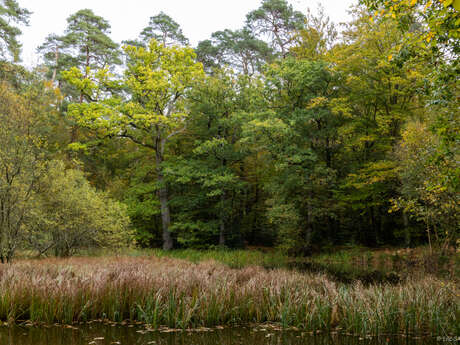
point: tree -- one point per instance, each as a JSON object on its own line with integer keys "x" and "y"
{"x": 85, "y": 44}
{"x": 381, "y": 92}
{"x": 21, "y": 167}
{"x": 277, "y": 20}
{"x": 138, "y": 189}
{"x": 157, "y": 81}
{"x": 165, "y": 30}
{"x": 87, "y": 35}
{"x": 208, "y": 177}
{"x": 317, "y": 38}
{"x": 430, "y": 31}
{"x": 52, "y": 52}
{"x": 11, "y": 12}
{"x": 238, "y": 49}
{"x": 429, "y": 36}
{"x": 298, "y": 135}
{"x": 429, "y": 183}
{"x": 439, "y": 19}
{"x": 69, "y": 214}
{"x": 209, "y": 55}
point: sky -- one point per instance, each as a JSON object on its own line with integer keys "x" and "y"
{"x": 198, "y": 19}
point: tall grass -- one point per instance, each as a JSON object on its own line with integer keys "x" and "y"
{"x": 270, "y": 258}
{"x": 182, "y": 294}
{"x": 345, "y": 264}
{"x": 231, "y": 258}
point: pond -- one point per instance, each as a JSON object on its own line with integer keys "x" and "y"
{"x": 99, "y": 334}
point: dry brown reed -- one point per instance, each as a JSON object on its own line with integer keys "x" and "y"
{"x": 182, "y": 294}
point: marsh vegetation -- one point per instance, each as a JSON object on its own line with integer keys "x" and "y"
{"x": 176, "y": 293}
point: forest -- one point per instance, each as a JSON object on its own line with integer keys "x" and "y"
{"x": 292, "y": 132}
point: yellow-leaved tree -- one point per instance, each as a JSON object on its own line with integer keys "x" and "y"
{"x": 147, "y": 105}
{"x": 21, "y": 167}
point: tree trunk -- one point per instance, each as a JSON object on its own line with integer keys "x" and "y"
{"x": 406, "y": 230}
{"x": 255, "y": 211}
{"x": 56, "y": 60}
{"x": 9, "y": 256}
{"x": 222, "y": 222}
{"x": 163, "y": 196}
{"x": 165, "y": 216}
{"x": 372, "y": 236}
{"x": 222, "y": 211}
{"x": 309, "y": 229}
{"x": 429, "y": 235}
{"x": 222, "y": 233}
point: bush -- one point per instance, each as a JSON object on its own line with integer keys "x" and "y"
{"x": 69, "y": 214}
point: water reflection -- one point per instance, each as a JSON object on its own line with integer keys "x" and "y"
{"x": 97, "y": 334}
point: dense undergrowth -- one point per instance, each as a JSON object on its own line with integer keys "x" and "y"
{"x": 182, "y": 294}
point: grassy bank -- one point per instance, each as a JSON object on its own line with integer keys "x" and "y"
{"x": 346, "y": 265}
{"x": 231, "y": 258}
{"x": 181, "y": 294}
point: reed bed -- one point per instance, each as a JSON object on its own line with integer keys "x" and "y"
{"x": 232, "y": 258}
{"x": 182, "y": 294}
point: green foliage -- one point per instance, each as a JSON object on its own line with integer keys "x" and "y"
{"x": 10, "y": 14}
{"x": 141, "y": 198}
{"x": 42, "y": 205}
{"x": 21, "y": 168}
{"x": 232, "y": 258}
{"x": 277, "y": 20}
{"x": 210, "y": 173}
{"x": 441, "y": 19}
{"x": 430, "y": 183}
{"x": 163, "y": 29}
{"x": 300, "y": 138}
{"x": 239, "y": 49}
{"x": 87, "y": 35}
{"x": 281, "y": 132}
{"x": 317, "y": 37}
{"x": 380, "y": 93}
{"x": 85, "y": 44}
{"x": 157, "y": 79}
{"x": 87, "y": 218}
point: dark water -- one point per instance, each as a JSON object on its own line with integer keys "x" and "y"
{"x": 97, "y": 334}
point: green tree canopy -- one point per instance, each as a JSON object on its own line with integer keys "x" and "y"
{"x": 10, "y": 14}
{"x": 165, "y": 30}
{"x": 239, "y": 49}
{"x": 157, "y": 81}
{"x": 277, "y": 20}
{"x": 84, "y": 44}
